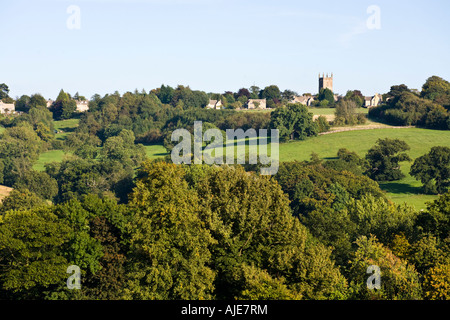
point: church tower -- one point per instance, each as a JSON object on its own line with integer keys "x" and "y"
{"x": 326, "y": 82}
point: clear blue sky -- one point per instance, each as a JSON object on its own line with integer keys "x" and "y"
{"x": 220, "y": 45}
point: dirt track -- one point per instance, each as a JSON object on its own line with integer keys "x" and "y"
{"x": 367, "y": 127}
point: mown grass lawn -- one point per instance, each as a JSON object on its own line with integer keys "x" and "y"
{"x": 66, "y": 127}
{"x": 48, "y": 157}
{"x": 407, "y": 190}
{"x": 155, "y": 151}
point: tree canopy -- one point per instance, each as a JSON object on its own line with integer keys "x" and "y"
{"x": 433, "y": 170}
{"x": 294, "y": 122}
{"x": 384, "y": 159}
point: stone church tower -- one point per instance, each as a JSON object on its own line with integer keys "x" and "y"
{"x": 326, "y": 82}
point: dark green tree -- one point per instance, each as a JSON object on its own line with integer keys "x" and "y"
{"x": 288, "y": 95}
{"x": 23, "y": 103}
{"x": 436, "y": 219}
{"x": 37, "y": 100}
{"x": 384, "y": 159}
{"x": 271, "y": 93}
{"x": 294, "y": 122}
{"x": 328, "y": 95}
{"x": 63, "y": 107}
{"x": 166, "y": 94}
{"x": 438, "y": 90}
{"x": 433, "y": 170}
{"x": 397, "y": 90}
{"x": 39, "y": 183}
{"x": 4, "y": 91}
{"x": 347, "y": 161}
{"x": 355, "y": 96}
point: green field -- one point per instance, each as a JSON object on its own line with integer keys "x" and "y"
{"x": 65, "y": 127}
{"x": 360, "y": 141}
{"x": 48, "y": 157}
{"x": 331, "y": 111}
{"x": 155, "y": 151}
{"x": 406, "y": 190}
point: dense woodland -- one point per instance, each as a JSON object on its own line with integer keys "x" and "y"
{"x": 141, "y": 229}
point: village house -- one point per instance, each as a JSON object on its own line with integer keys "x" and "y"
{"x": 214, "y": 104}
{"x": 82, "y": 106}
{"x": 256, "y": 104}
{"x": 306, "y": 100}
{"x": 7, "y": 108}
{"x": 374, "y": 101}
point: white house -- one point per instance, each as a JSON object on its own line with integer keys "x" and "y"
{"x": 256, "y": 104}
{"x": 82, "y": 106}
{"x": 306, "y": 100}
{"x": 214, "y": 104}
{"x": 374, "y": 101}
{"x": 7, "y": 108}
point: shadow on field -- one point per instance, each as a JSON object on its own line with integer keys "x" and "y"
{"x": 67, "y": 129}
{"x": 393, "y": 187}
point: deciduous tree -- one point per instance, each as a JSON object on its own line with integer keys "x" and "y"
{"x": 433, "y": 170}
{"x": 384, "y": 159}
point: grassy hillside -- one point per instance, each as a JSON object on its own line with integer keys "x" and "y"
{"x": 47, "y": 157}
{"x": 420, "y": 141}
{"x": 406, "y": 190}
{"x": 65, "y": 127}
{"x": 155, "y": 151}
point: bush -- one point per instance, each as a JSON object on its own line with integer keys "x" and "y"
{"x": 153, "y": 136}
{"x": 57, "y": 145}
{"x": 322, "y": 124}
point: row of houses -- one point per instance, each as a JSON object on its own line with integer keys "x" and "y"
{"x": 307, "y": 100}
{"x": 369, "y": 102}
